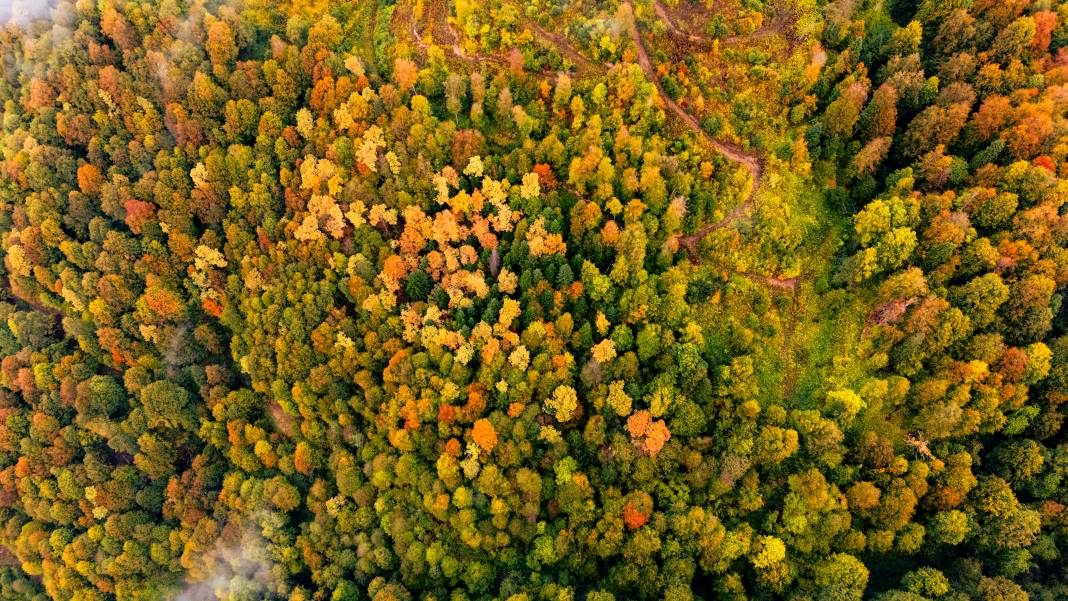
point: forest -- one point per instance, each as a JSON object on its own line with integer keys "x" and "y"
{"x": 533, "y": 300}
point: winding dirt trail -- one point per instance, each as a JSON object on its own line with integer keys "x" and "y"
{"x": 436, "y": 19}
{"x": 675, "y": 31}
{"x": 750, "y": 160}
{"x": 706, "y": 44}
{"x": 441, "y": 29}
{"x": 785, "y": 284}
{"x": 789, "y": 284}
{"x": 413, "y": 29}
{"x": 439, "y": 23}
{"x": 753, "y": 162}
{"x": 563, "y": 46}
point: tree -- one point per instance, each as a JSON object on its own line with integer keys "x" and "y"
{"x": 484, "y": 435}
{"x": 934, "y": 126}
{"x": 1028, "y": 308}
{"x": 405, "y": 73}
{"x": 981, "y": 298}
{"x": 167, "y": 405}
{"x": 871, "y": 155}
{"x": 841, "y": 576}
{"x": 221, "y": 47}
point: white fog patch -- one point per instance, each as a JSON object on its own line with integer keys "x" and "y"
{"x": 25, "y": 12}
{"x": 236, "y": 565}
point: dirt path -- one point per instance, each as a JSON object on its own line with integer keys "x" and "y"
{"x": 786, "y": 284}
{"x": 789, "y": 284}
{"x": 443, "y": 32}
{"x": 675, "y": 31}
{"x": 436, "y": 19}
{"x": 750, "y": 160}
{"x": 408, "y": 12}
{"x": 564, "y": 47}
{"x": 706, "y": 44}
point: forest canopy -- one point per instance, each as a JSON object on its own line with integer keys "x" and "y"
{"x": 568, "y": 300}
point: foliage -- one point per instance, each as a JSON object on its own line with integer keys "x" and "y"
{"x": 589, "y": 300}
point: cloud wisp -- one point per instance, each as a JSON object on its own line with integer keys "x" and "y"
{"x": 24, "y": 12}
{"x": 237, "y": 566}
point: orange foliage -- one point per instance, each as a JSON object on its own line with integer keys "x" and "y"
{"x": 303, "y": 459}
{"x": 484, "y": 435}
{"x": 633, "y": 518}
{"x": 476, "y": 400}
{"x": 656, "y": 437}
{"x": 394, "y": 268}
{"x": 323, "y": 98}
{"x": 115, "y": 26}
{"x": 1035, "y": 125}
{"x": 1050, "y": 508}
{"x": 163, "y": 303}
{"x": 405, "y": 73}
{"x": 610, "y": 232}
{"x": 22, "y": 467}
{"x": 638, "y": 423}
{"x": 138, "y": 213}
{"x": 41, "y": 94}
{"x": 1046, "y": 163}
{"x": 1045, "y": 23}
{"x": 546, "y": 177}
{"x": 1013, "y": 364}
{"x": 452, "y": 448}
{"x": 446, "y": 413}
{"x": 545, "y": 88}
{"x": 212, "y": 306}
{"x": 112, "y": 340}
{"x": 637, "y": 510}
{"x": 397, "y": 364}
{"x": 647, "y": 435}
{"x": 89, "y": 178}
{"x": 991, "y": 115}
{"x": 111, "y": 81}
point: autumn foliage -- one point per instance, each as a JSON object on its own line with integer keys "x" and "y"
{"x": 575, "y": 301}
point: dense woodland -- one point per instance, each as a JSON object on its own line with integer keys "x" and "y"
{"x": 571, "y": 300}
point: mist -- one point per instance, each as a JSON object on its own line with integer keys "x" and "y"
{"x": 25, "y": 12}
{"x": 236, "y": 567}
